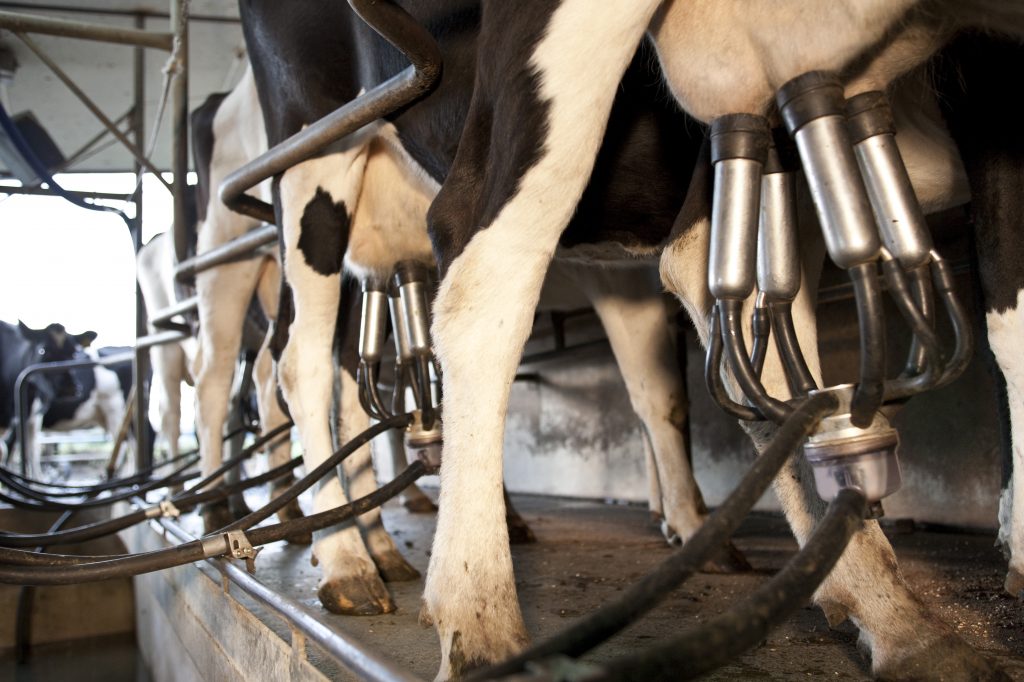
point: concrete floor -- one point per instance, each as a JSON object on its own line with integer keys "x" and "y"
{"x": 587, "y": 553}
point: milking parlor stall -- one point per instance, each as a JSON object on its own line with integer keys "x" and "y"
{"x": 535, "y": 341}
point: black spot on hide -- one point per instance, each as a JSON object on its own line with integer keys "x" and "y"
{"x": 324, "y": 235}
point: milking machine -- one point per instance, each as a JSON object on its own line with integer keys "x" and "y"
{"x": 408, "y": 293}
{"x": 869, "y": 217}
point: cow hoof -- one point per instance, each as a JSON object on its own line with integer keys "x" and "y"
{"x": 356, "y": 596}
{"x": 216, "y": 516}
{"x": 835, "y": 613}
{"x": 949, "y": 658}
{"x": 394, "y": 568}
{"x": 420, "y": 505}
{"x": 518, "y": 532}
{"x": 1014, "y": 584}
{"x": 656, "y": 518}
{"x": 727, "y": 559}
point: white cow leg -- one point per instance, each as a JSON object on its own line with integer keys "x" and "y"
{"x": 484, "y": 312}
{"x": 1005, "y": 331}
{"x": 271, "y": 414}
{"x": 359, "y": 473}
{"x": 224, "y": 294}
{"x": 317, "y": 198}
{"x": 165, "y": 391}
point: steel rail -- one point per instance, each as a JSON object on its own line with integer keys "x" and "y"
{"x": 236, "y": 249}
{"x": 399, "y": 29}
{"x": 162, "y": 318}
{"x": 32, "y": 23}
{"x": 21, "y": 389}
{"x": 160, "y": 338}
{"x": 359, "y": 658}
{"x": 93, "y": 108}
{"x": 104, "y": 11}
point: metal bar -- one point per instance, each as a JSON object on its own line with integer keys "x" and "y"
{"x": 40, "y": 192}
{"x": 236, "y": 249}
{"x": 140, "y": 368}
{"x": 359, "y": 658}
{"x": 87, "y": 147}
{"x": 92, "y": 107}
{"x": 400, "y": 30}
{"x": 21, "y": 406}
{"x": 30, "y": 23}
{"x": 163, "y": 316}
{"x": 100, "y": 11}
{"x": 159, "y": 339}
{"x": 179, "y": 128}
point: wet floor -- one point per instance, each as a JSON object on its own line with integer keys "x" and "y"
{"x": 587, "y": 553}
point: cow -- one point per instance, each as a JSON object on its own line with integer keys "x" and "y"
{"x": 372, "y": 188}
{"x": 512, "y": 174}
{"x": 170, "y": 361}
{"x": 76, "y": 398}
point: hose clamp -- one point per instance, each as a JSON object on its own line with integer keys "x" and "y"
{"x": 240, "y": 548}
{"x": 167, "y": 509}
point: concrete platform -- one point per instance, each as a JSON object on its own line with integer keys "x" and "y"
{"x": 190, "y": 627}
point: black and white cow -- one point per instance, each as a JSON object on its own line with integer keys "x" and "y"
{"x": 513, "y": 134}
{"x": 378, "y": 196}
{"x": 79, "y": 397}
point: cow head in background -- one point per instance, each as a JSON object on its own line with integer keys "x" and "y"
{"x": 55, "y": 344}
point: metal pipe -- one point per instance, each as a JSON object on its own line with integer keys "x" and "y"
{"x": 812, "y": 106}
{"x": 897, "y": 212}
{"x": 137, "y": 153}
{"x": 140, "y": 367}
{"x": 179, "y": 128}
{"x": 162, "y": 317}
{"x": 29, "y": 23}
{"x": 238, "y": 248}
{"x": 362, "y": 660}
{"x": 40, "y": 192}
{"x": 159, "y": 339}
{"x": 398, "y": 28}
{"x": 103, "y": 11}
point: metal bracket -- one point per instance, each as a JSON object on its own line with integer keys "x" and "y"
{"x": 241, "y": 548}
{"x": 168, "y": 509}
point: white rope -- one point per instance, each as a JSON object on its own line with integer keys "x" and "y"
{"x": 173, "y": 68}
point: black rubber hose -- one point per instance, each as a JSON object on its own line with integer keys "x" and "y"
{"x": 942, "y": 276}
{"x": 715, "y": 643}
{"x": 33, "y": 494}
{"x": 245, "y": 454}
{"x": 215, "y": 544}
{"x": 21, "y": 557}
{"x": 100, "y": 486}
{"x": 760, "y": 331}
{"x": 370, "y": 402}
{"x": 44, "y": 504}
{"x": 731, "y": 313}
{"x": 332, "y": 517}
{"x": 868, "y": 395}
{"x": 798, "y": 374}
{"x": 713, "y": 374}
{"x": 639, "y": 598}
{"x": 921, "y": 290}
{"x": 300, "y": 486}
{"x": 924, "y": 337}
{"x": 184, "y": 501}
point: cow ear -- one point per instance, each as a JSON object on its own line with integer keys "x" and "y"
{"x": 29, "y": 334}
{"x": 85, "y": 339}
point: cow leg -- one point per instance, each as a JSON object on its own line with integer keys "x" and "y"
{"x": 168, "y": 361}
{"x": 271, "y": 414}
{"x": 361, "y": 481}
{"x": 224, "y": 293}
{"x": 986, "y": 128}
{"x": 318, "y": 198}
{"x": 494, "y": 251}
